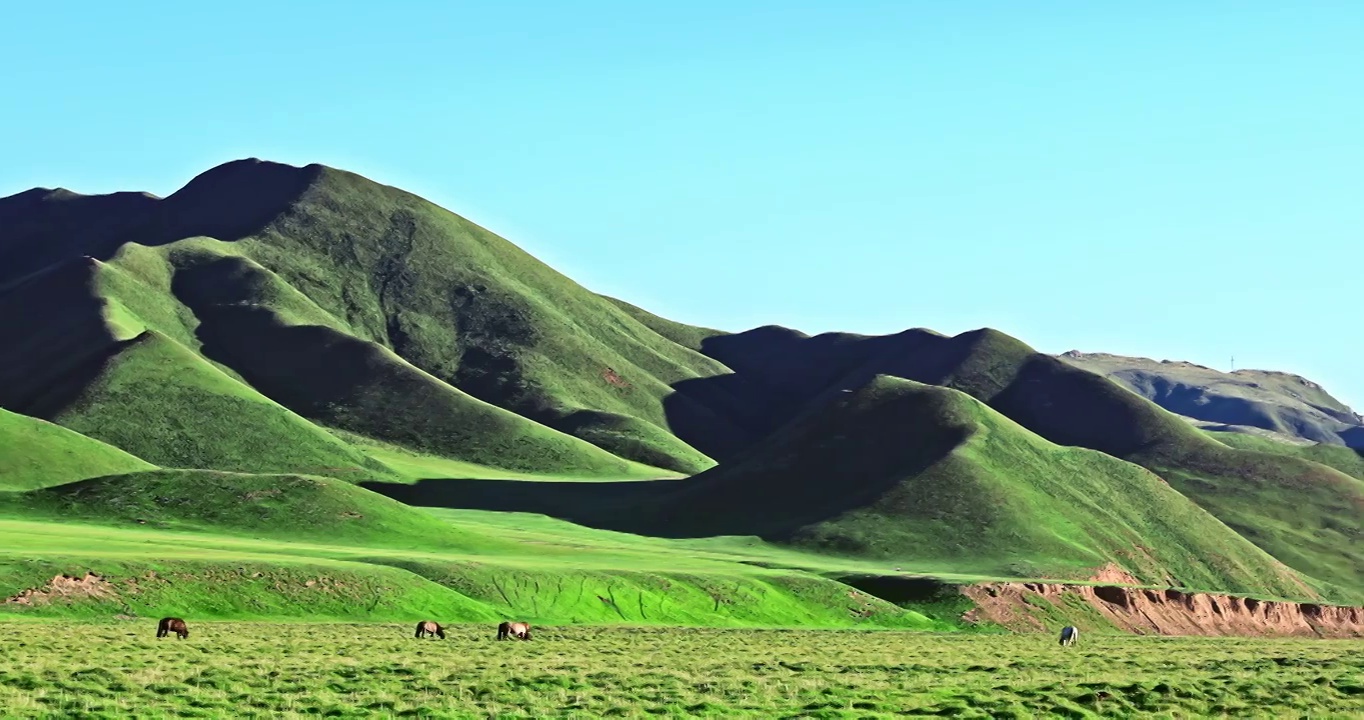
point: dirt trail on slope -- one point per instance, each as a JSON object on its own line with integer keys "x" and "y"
{"x": 1039, "y": 606}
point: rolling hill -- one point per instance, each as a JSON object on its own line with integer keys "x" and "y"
{"x": 307, "y": 328}
{"x": 1304, "y": 513}
{"x": 38, "y": 454}
{"x": 293, "y": 507}
{"x": 923, "y": 475}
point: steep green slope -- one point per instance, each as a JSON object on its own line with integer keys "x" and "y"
{"x": 1301, "y": 512}
{"x": 37, "y": 454}
{"x": 317, "y": 246}
{"x": 294, "y": 352}
{"x": 158, "y": 400}
{"x": 472, "y": 310}
{"x": 688, "y": 336}
{"x": 918, "y": 473}
{"x": 252, "y": 322}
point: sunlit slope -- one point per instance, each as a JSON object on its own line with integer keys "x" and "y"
{"x": 284, "y": 345}
{"x": 285, "y": 507}
{"x": 318, "y": 246}
{"x": 257, "y": 333}
{"x": 1347, "y": 460}
{"x": 1301, "y": 512}
{"x": 912, "y": 472}
{"x": 472, "y": 310}
{"x": 158, "y": 400}
{"x": 35, "y": 453}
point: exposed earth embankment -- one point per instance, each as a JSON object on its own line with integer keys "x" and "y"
{"x": 1048, "y": 606}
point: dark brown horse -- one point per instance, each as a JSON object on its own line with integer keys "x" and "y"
{"x": 518, "y": 630}
{"x": 427, "y": 627}
{"x": 172, "y": 625}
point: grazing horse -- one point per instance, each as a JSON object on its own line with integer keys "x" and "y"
{"x": 426, "y": 627}
{"x": 172, "y": 625}
{"x": 1069, "y": 634}
{"x": 518, "y": 630}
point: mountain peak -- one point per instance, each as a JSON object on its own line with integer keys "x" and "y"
{"x": 236, "y": 198}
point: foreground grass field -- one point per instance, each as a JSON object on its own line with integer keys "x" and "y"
{"x": 292, "y": 670}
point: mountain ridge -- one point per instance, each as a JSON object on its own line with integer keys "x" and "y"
{"x": 1283, "y": 404}
{"x": 305, "y": 307}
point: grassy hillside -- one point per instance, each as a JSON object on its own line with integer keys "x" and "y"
{"x": 1344, "y": 459}
{"x": 556, "y": 575}
{"x": 1301, "y": 512}
{"x": 163, "y": 403}
{"x": 122, "y": 318}
{"x": 286, "y": 507}
{"x": 291, "y": 350}
{"x": 911, "y": 472}
{"x": 37, "y": 454}
{"x": 280, "y": 275}
{"x": 270, "y": 319}
{"x": 473, "y": 310}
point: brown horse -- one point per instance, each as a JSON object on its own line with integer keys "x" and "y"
{"x": 427, "y": 627}
{"x": 172, "y": 625}
{"x": 518, "y": 630}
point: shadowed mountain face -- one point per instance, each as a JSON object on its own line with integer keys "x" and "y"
{"x": 273, "y": 319}
{"x": 1287, "y": 405}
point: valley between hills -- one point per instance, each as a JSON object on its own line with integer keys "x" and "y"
{"x": 286, "y": 392}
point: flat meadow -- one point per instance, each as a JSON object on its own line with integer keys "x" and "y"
{"x": 261, "y": 669}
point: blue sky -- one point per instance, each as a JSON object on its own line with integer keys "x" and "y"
{"x": 1176, "y": 180}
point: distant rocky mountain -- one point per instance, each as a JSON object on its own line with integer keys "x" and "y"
{"x": 1286, "y": 405}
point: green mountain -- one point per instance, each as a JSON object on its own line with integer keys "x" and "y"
{"x": 336, "y": 297}
{"x": 1304, "y": 513}
{"x": 309, "y": 329}
{"x": 897, "y": 469}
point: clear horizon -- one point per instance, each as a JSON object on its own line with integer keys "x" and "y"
{"x": 1177, "y": 183}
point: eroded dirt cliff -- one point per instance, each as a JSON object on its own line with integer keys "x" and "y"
{"x": 1047, "y": 606}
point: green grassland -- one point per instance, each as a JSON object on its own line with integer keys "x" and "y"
{"x": 38, "y": 454}
{"x": 285, "y": 670}
{"x": 469, "y": 565}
